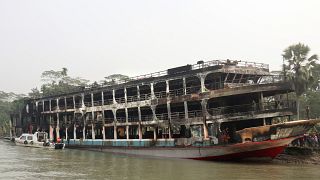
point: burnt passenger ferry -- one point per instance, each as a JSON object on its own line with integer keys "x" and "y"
{"x": 215, "y": 110}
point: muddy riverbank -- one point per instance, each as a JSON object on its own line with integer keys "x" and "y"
{"x": 299, "y": 155}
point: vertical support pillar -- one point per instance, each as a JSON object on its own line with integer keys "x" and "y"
{"x": 127, "y": 121}
{"x": 84, "y": 132}
{"x": 58, "y": 128}
{"x": 50, "y": 128}
{"x": 155, "y": 133}
{"x": 114, "y": 96}
{"x": 204, "y": 114}
{"x": 125, "y": 95}
{"x": 153, "y": 109}
{"x": 184, "y": 86}
{"x": 66, "y": 134}
{"x": 140, "y": 127}
{"x": 202, "y": 80}
{"x": 37, "y": 105}
{"x": 115, "y": 135}
{"x": 186, "y": 111}
{"x": 58, "y": 108}
{"x": 74, "y": 102}
{"x": 261, "y": 101}
{"x": 102, "y": 98}
{"x": 168, "y": 107}
{"x": 82, "y": 100}
{"x": 103, "y": 132}
{"x": 66, "y": 129}
{"x": 152, "y": 91}
{"x": 65, "y": 103}
{"x": 167, "y": 87}
{"x": 83, "y": 117}
{"x": 103, "y": 127}
{"x": 50, "y": 109}
{"x": 93, "y": 134}
{"x": 138, "y": 93}
{"x": 169, "y": 118}
{"x": 92, "y": 100}
{"x": 74, "y": 131}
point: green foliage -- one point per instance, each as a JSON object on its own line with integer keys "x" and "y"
{"x": 58, "y": 82}
{"x": 299, "y": 66}
{"x": 8, "y": 107}
{"x": 298, "y": 69}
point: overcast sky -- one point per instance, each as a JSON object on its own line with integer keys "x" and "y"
{"x": 94, "y": 39}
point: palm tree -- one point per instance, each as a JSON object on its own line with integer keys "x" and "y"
{"x": 298, "y": 68}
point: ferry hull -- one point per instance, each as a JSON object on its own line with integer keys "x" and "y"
{"x": 250, "y": 150}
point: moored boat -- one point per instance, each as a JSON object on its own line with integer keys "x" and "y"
{"x": 38, "y": 140}
{"x": 215, "y": 110}
{"x": 264, "y": 142}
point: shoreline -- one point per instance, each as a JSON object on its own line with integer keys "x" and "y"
{"x": 299, "y": 155}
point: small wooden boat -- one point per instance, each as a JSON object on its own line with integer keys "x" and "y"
{"x": 38, "y": 140}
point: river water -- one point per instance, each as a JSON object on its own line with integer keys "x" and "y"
{"x": 32, "y": 163}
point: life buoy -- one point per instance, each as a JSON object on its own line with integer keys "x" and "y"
{"x": 25, "y": 142}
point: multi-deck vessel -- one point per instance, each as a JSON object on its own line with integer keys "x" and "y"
{"x": 220, "y": 109}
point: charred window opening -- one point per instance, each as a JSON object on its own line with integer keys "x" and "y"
{"x": 62, "y": 104}
{"x": 97, "y": 99}
{"x": 53, "y": 104}
{"x": 176, "y": 87}
{"x": 44, "y": 122}
{"x": 145, "y": 92}
{"x": 98, "y": 131}
{"x": 148, "y": 132}
{"x": 162, "y": 112}
{"x": 133, "y": 132}
{"x": 132, "y": 94}
{"x": 120, "y": 96}
{"x": 133, "y": 115}
{"x": 109, "y": 132}
{"x": 89, "y": 118}
{"x": 46, "y": 106}
{"x": 79, "y": 124}
{"x": 70, "y": 132}
{"x": 40, "y": 107}
{"x": 194, "y": 109}
{"x": 121, "y": 115}
{"x": 193, "y": 85}
{"x": 146, "y": 113}
{"x": 160, "y": 89}
{"x": 108, "y": 117}
{"x": 108, "y": 97}
{"x": 70, "y": 104}
{"x": 162, "y": 132}
{"x": 87, "y": 100}
{"x": 232, "y": 104}
{"x": 121, "y": 132}
{"x": 177, "y": 111}
{"x": 98, "y": 117}
{"x": 78, "y": 101}
{"x": 214, "y": 81}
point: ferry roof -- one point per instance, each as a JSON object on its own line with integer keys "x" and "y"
{"x": 218, "y": 64}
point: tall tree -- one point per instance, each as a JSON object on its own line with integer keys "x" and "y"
{"x": 298, "y": 68}
{"x": 57, "y": 82}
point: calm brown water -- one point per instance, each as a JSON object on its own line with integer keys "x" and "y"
{"x": 31, "y": 163}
